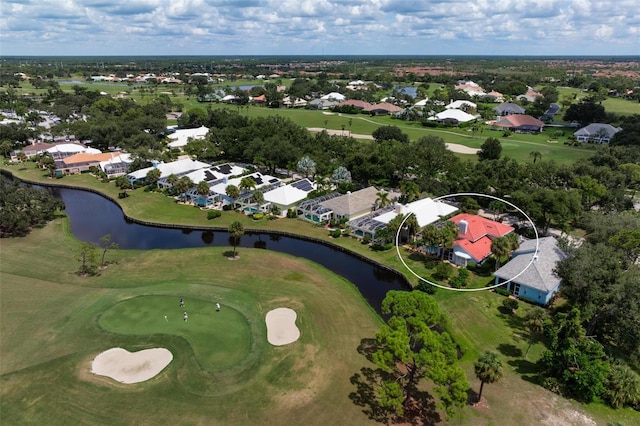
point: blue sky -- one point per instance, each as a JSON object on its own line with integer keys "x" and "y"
{"x": 315, "y": 27}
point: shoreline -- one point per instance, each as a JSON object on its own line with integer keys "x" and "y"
{"x": 406, "y": 282}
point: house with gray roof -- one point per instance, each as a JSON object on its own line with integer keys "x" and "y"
{"x": 507, "y": 108}
{"x": 530, "y": 275}
{"x": 596, "y": 133}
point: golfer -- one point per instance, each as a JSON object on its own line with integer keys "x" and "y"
{"x": 181, "y": 303}
{"x": 186, "y": 317}
{"x": 218, "y": 307}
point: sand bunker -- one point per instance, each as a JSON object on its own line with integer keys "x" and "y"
{"x": 131, "y": 367}
{"x": 281, "y": 326}
{"x": 461, "y": 149}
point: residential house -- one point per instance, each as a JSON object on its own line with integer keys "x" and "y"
{"x": 596, "y": 133}
{"x": 288, "y": 196}
{"x": 82, "y": 162}
{"x": 208, "y": 174}
{"x": 333, "y": 96}
{"x": 335, "y": 206}
{"x": 320, "y": 103}
{"x": 116, "y": 165}
{"x": 470, "y": 87}
{"x": 473, "y": 244}
{"x": 461, "y": 105}
{"x": 531, "y": 275}
{"x": 507, "y": 108}
{"x": 453, "y": 116}
{"x": 180, "y": 138}
{"x": 383, "y": 108}
{"x": 218, "y": 191}
{"x": 521, "y": 123}
{"x": 294, "y": 103}
{"x": 426, "y": 211}
{"x": 178, "y": 168}
{"x": 494, "y": 96}
{"x": 361, "y": 105}
{"x": 531, "y": 95}
{"x": 64, "y": 150}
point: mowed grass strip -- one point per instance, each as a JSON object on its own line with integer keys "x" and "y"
{"x": 54, "y": 323}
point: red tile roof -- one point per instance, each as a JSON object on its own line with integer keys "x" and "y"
{"x": 517, "y": 120}
{"x": 477, "y": 239}
{"x": 478, "y": 227}
{"x": 83, "y": 157}
{"x": 358, "y": 104}
{"x": 478, "y": 250}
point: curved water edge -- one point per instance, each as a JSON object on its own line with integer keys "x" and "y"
{"x": 93, "y": 214}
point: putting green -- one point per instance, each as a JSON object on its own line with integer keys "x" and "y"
{"x": 219, "y": 340}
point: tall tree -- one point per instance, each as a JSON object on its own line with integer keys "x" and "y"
{"x": 306, "y": 166}
{"x": 491, "y": 149}
{"x": 106, "y": 245}
{"x": 576, "y": 362}
{"x": 488, "y": 369}
{"x": 535, "y": 155}
{"x": 152, "y": 176}
{"x": 236, "y": 231}
{"x": 534, "y": 322}
{"x": 410, "y": 350}
{"x": 448, "y": 234}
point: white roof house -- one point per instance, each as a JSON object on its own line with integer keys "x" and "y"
{"x": 453, "y": 114}
{"x": 214, "y": 173}
{"x": 460, "y": 105}
{"x": 181, "y": 136}
{"x": 178, "y": 168}
{"x": 288, "y": 195}
{"x": 334, "y": 96}
{"x": 426, "y": 210}
{"x": 261, "y": 181}
{"x": 116, "y": 165}
{"x": 421, "y": 103}
{"x": 63, "y": 150}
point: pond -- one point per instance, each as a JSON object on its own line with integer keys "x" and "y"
{"x": 93, "y": 216}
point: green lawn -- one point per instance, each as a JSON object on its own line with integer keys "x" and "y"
{"x": 53, "y": 323}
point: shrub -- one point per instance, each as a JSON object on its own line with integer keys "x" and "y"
{"x": 502, "y": 291}
{"x": 382, "y": 247}
{"x": 366, "y": 239}
{"x": 552, "y": 384}
{"x": 227, "y": 207}
{"x": 335, "y": 233}
{"x": 292, "y": 213}
{"x": 212, "y": 214}
{"x": 443, "y": 271}
{"x": 510, "y": 304}
{"x": 426, "y": 288}
{"x": 257, "y": 216}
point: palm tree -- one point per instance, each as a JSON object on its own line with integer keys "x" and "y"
{"x": 535, "y": 324}
{"x": 488, "y": 369}
{"x": 412, "y": 226}
{"x": 172, "y": 179}
{"x": 232, "y": 192}
{"x": 203, "y": 189}
{"x": 257, "y": 197}
{"x": 152, "y": 176}
{"x": 536, "y": 155}
{"x": 624, "y": 386}
{"x": 448, "y": 234}
{"x": 236, "y": 230}
{"x": 247, "y": 183}
{"x": 383, "y": 199}
{"x": 350, "y": 123}
{"x": 410, "y": 191}
{"x": 500, "y": 247}
{"x": 183, "y": 185}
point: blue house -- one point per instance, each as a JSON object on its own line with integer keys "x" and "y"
{"x": 531, "y": 274}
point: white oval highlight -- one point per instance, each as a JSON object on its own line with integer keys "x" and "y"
{"x": 281, "y": 326}
{"x": 473, "y": 194}
{"x": 131, "y": 367}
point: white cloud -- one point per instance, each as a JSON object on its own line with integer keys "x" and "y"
{"x": 155, "y": 27}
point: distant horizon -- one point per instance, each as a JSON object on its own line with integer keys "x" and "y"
{"x": 344, "y": 55}
{"x": 527, "y": 28}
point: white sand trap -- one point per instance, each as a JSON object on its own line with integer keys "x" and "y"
{"x": 131, "y": 367}
{"x": 281, "y": 326}
{"x": 461, "y": 149}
